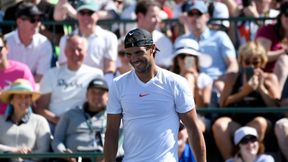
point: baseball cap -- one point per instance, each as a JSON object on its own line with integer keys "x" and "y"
{"x": 242, "y": 132}
{"x": 88, "y": 5}
{"x": 138, "y": 38}
{"x": 220, "y": 11}
{"x": 28, "y": 9}
{"x": 200, "y": 6}
{"x": 98, "y": 83}
{"x": 187, "y": 46}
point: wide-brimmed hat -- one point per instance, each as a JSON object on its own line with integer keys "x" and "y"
{"x": 19, "y": 86}
{"x": 186, "y": 46}
{"x": 242, "y": 132}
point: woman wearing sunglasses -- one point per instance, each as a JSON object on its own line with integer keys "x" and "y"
{"x": 248, "y": 148}
{"x": 253, "y": 88}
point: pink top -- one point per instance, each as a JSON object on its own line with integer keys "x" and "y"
{"x": 14, "y": 71}
{"x": 269, "y": 32}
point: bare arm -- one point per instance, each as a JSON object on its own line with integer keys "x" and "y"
{"x": 109, "y": 65}
{"x": 42, "y": 108}
{"x": 272, "y": 55}
{"x": 63, "y": 9}
{"x": 111, "y": 137}
{"x": 196, "y": 138}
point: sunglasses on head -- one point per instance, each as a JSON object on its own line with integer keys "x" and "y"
{"x": 248, "y": 139}
{"x": 194, "y": 13}
{"x": 32, "y": 19}
{"x": 86, "y": 12}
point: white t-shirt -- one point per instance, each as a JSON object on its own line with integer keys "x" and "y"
{"x": 37, "y": 55}
{"x": 67, "y": 88}
{"x": 150, "y": 119}
{"x": 101, "y": 44}
{"x": 163, "y": 43}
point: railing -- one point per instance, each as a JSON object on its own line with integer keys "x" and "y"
{"x": 91, "y": 155}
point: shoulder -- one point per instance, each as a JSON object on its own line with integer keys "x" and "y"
{"x": 91, "y": 70}
{"x": 9, "y": 36}
{"x": 265, "y": 157}
{"x": 105, "y": 33}
{"x": 38, "y": 118}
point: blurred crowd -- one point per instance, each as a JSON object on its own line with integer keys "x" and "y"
{"x": 55, "y": 76}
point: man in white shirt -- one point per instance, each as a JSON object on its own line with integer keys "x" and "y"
{"x": 63, "y": 88}
{"x": 26, "y": 44}
{"x": 102, "y": 44}
{"x": 150, "y": 101}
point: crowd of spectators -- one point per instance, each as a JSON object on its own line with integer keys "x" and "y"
{"x": 227, "y": 63}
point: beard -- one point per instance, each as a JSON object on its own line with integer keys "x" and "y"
{"x": 141, "y": 66}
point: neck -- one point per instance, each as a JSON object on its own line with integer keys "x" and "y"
{"x": 16, "y": 117}
{"x": 73, "y": 68}
{"x": 4, "y": 64}
{"x": 146, "y": 76}
{"x": 25, "y": 39}
{"x": 86, "y": 32}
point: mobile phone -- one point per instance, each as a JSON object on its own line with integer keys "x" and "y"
{"x": 190, "y": 62}
{"x": 246, "y": 3}
{"x": 249, "y": 72}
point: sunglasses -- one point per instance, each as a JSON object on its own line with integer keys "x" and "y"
{"x": 194, "y": 13}
{"x": 182, "y": 56}
{"x": 86, "y": 12}
{"x": 248, "y": 139}
{"x": 255, "y": 63}
{"x": 121, "y": 53}
{"x": 32, "y": 19}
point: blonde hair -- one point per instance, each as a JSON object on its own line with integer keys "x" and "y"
{"x": 253, "y": 48}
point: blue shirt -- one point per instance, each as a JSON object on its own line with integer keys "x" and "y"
{"x": 215, "y": 47}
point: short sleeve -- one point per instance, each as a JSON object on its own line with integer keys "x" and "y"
{"x": 114, "y": 104}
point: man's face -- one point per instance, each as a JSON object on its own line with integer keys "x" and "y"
{"x": 28, "y": 25}
{"x": 97, "y": 98}
{"x": 75, "y": 51}
{"x": 151, "y": 19}
{"x": 3, "y": 52}
{"x": 141, "y": 58}
{"x": 87, "y": 18}
{"x": 197, "y": 20}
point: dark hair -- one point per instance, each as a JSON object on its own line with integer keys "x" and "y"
{"x": 142, "y": 6}
{"x": 261, "y": 149}
{"x": 280, "y": 31}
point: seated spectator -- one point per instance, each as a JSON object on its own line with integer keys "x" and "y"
{"x": 26, "y": 44}
{"x": 63, "y": 88}
{"x": 248, "y": 147}
{"x": 102, "y": 44}
{"x": 219, "y": 10}
{"x": 185, "y": 153}
{"x": 21, "y": 130}
{"x": 10, "y": 71}
{"x": 274, "y": 38}
{"x": 186, "y": 64}
{"x": 123, "y": 65}
{"x": 252, "y": 88}
{"x": 83, "y": 128}
{"x": 52, "y": 32}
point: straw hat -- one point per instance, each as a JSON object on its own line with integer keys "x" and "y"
{"x": 19, "y": 86}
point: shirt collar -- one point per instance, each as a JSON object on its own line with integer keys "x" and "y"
{"x": 17, "y": 40}
{"x": 24, "y": 119}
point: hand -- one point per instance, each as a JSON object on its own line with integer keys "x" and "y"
{"x": 22, "y": 150}
{"x": 253, "y": 82}
{"x": 251, "y": 11}
{"x": 69, "y": 159}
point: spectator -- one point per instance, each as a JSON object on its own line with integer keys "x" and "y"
{"x": 252, "y": 88}
{"x": 150, "y": 100}
{"x": 83, "y": 128}
{"x": 184, "y": 152}
{"x": 52, "y": 32}
{"x": 21, "y": 130}
{"x": 63, "y": 88}
{"x": 219, "y": 10}
{"x": 147, "y": 13}
{"x": 102, "y": 44}
{"x": 26, "y": 45}
{"x": 246, "y": 30}
{"x": 10, "y": 71}
{"x": 218, "y": 58}
{"x": 274, "y": 38}
{"x": 123, "y": 60}
{"x": 248, "y": 147}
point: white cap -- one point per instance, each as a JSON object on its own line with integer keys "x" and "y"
{"x": 242, "y": 132}
{"x": 220, "y": 11}
{"x": 187, "y": 46}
